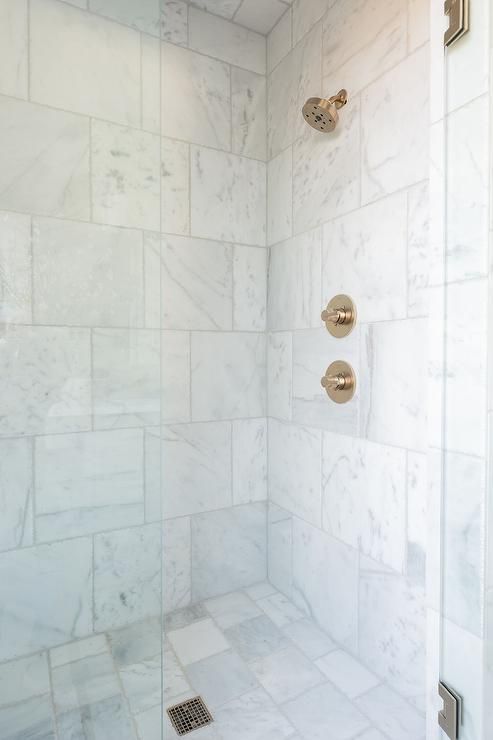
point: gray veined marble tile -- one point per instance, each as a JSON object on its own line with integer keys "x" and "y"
{"x": 88, "y": 482}
{"x": 227, "y": 41}
{"x": 137, "y": 642}
{"x": 224, "y": 8}
{"x": 223, "y": 363}
{"x": 127, "y": 576}
{"x": 78, "y": 650}
{"x": 256, "y": 638}
{"x": 309, "y": 638}
{"x": 286, "y": 674}
{"x": 177, "y": 586}
{"x": 280, "y": 197}
{"x": 221, "y": 678}
{"x": 423, "y": 254}
{"x": 306, "y": 13}
{"x": 232, "y": 609}
{"x": 46, "y": 596}
{"x": 279, "y": 41}
{"x": 249, "y": 105}
{"x": 144, "y": 15}
{"x": 174, "y": 680}
{"x": 151, "y": 71}
{"x": 174, "y": 21}
{"x": 184, "y": 617}
{"x": 280, "y": 609}
{"x": 175, "y": 187}
{"x": 260, "y": 15}
{"x": 142, "y": 683}
{"x": 16, "y": 268}
{"x": 197, "y": 641}
{"x": 228, "y": 199}
{"x": 14, "y": 48}
{"x": 279, "y": 374}
{"x": 252, "y": 716}
{"x": 207, "y": 82}
{"x": 125, "y": 176}
{"x": 280, "y": 550}
{"x": 418, "y": 516}
{"x": 36, "y": 140}
{"x": 175, "y": 377}
{"x": 98, "y": 721}
{"x": 87, "y": 274}
{"x": 86, "y": 681}
{"x": 29, "y": 720}
{"x": 45, "y": 375}
{"x": 126, "y": 378}
{"x": 260, "y": 590}
{"x": 91, "y": 66}
{"x": 239, "y": 531}
{"x": 16, "y": 491}
{"x": 249, "y": 460}
{"x": 24, "y": 679}
{"x": 152, "y": 280}
{"x": 197, "y": 284}
{"x": 249, "y": 288}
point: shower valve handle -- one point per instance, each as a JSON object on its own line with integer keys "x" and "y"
{"x": 339, "y": 381}
{"x": 339, "y": 316}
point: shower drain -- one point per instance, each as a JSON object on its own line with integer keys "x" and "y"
{"x": 189, "y": 715}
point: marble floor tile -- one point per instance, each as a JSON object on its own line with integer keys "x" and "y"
{"x": 78, "y": 650}
{"x": 309, "y": 638}
{"x": 197, "y": 641}
{"x": 99, "y": 721}
{"x": 136, "y": 643}
{"x": 221, "y": 678}
{"x": 24, "y": 679}
{"x": 346, "y": 673}
{"x": 142, "y": 684}
{"x": 391, "y": 714}
{"x": 183, "y": 617}
{"x": 286, "y": 674}
{"x": 174, "y": 679}
{"x": 84, "y": 682}
{"x": 280, "y": 609}
{"x": 29, "y": 720}
{"x": 256, "y": 638}
{"x": 231, "y": 609}
{"x": 260, "y": 591}
{"x": 252, "y": 716}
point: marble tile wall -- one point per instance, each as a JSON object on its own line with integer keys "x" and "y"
{"x": 133, "y": 292}
{"x": 349, "y": 213}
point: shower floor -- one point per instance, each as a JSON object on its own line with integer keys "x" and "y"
{"x": 265, "y": 671}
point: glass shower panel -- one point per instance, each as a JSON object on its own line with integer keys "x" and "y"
{"x": 80, "y": 529}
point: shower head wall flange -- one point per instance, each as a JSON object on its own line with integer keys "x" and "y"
{"x": 321, "y": 113}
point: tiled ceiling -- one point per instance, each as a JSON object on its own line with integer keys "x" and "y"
{"x": 258, "y": 15}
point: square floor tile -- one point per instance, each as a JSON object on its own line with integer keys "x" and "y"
{"x": 184, "y": 617}
{"x": 280, "y": 609}
{"x": 220, "y": 678}
{"x": 256, "y": 638}
{"x": 325, "y": 714}
{"x": 232, "y": 609}
{"x": 252, "y": 716}
{"x": 103, "y": 719}
{"x": 197, "y": 641}
{"x": 309, "y": 638}
{"x": 286, "y": 674}
{"x": 346, "y": 673}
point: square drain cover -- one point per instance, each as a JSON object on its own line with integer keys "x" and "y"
{"x": 190, "y": 715}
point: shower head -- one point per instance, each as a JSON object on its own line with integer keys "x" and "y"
{"x": 321, "y": 114}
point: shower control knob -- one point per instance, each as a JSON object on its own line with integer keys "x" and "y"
{"x": 339, "y": 382}
{"x": 340, "y": 316}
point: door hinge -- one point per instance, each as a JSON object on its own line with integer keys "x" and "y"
{"x": 458, "y": 13}
{"x": 450, "y": 717}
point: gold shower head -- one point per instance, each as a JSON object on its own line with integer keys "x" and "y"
{"x": 321, "y": 113}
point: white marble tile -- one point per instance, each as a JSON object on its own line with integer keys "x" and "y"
{"x": 45, "y": 156}
{"x": 174, "y": 679}
{"x": 228, "y": 197}
{"x": 32, "y": 718}
{"x": 16, "y": 494}
{"x": 279, "y": 41}
{"x": 344, "y": 672}
{"x": 374, "y": 270}
{"x": 174, "y": 22}
{"x": 79, "y": 650}
{"x": 392, "y": 409}
{"x": 372, "y": 735}
{"x": 197, "y": 284}
{"x": 45, "y": 375}
{"x": 88, "y": 482}
{"x": 418, "y": 19}
{"x": 175, "y": 377}
{"x": 326, "y": 171}
{"x": 256, "y": 638}
{"x": 221, "y": 678}
{"x": 127, "y": 576}
{"x": 151, "y": 71}
{"x": 187, "y": 75}
{"x": 150, "y": 723}
{"x": 280, "y": 610}
{"x": 177, "y": 576}
{"x": 250, "y": 288}
{"x": 197, "y": 641}
{"x": 86, "y": 274}
{"x": 280, "y": 549}
{"x": 286, "y": 674}
{"x": 280, "y": 197}
{"x": 418, "y": 515}
{"x": 422, "y": 254}
{"x": 144, "y": 15}
{"x": 125, "y": 176}
{"x": 142, "y": 684}
{"x": 239, "y": 531}
{"x": 126, "y": 377}
{"x": 14, "y": 48}
{"x": 388, "y": 166}
{"x": 392, "y": 630}
{"x": 294, "y": 299}
{"x": 99, "y": 719}
{"x": 91, "y": 66}
{"x": 325, "y": 582}
{"x": 46, "y": 596}
{"x": 279, "y": 374}
{"x": 260, "y": 15}
{"x": 196, "y": 468}
{"x": 294, "y": 469}
{"x": 260, "y": 590}
{"x": 309, "y": 639}
{"x": 296, "y": 78}
{"x": 22, "y": 679}
{"x": 84, "y": 682}
{"x": 249, "y": 106}
{"x": 249, "y": 460}
{"x": 364, "y": 497}
{"x": 138, "y": 641}
{"x": 252, "y": 716}
{"x": 463, "y": 579}
{"x": 362, "y": 41}
{"x": 152, "y": 280}
{"x": 15, "y": 268}
{"x": 223, "y": 363}
{"x": 227, "y": 41}
{"x": 467, "y": 191}
{"x": 184, "y": 617}
{"x": 232, "y": 609}
{"x": 391, "y": 714}
{"x": 175, "y": 187}
{"x": 224, "y": 8}
{"x": 472, "y": 63}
